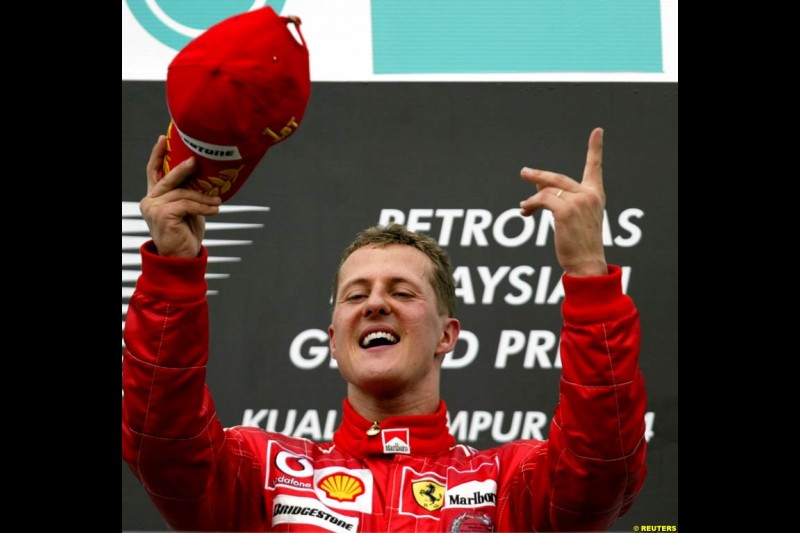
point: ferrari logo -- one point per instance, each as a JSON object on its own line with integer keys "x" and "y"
{"x": 428, "y": 494}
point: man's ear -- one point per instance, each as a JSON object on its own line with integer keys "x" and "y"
{"x": 447, "y": 342}
{"x": 330, "y": 341}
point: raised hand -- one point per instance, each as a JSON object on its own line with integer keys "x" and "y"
{"x": 175, "y": 215}
{"x": 578, "y": 210}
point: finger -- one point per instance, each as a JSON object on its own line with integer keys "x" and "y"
{"x": 530, "y": 205}
{"x": 548, "y": 198}
{"x": 178, "y": 204}
{"x": 182, "y": 194}
{"x": 544, "y": 179}
{"x": 155, "y": 166}
{"x": 174, "y": 177}
{"x": 204, "y": 206}
{"x": 593, "y": 172}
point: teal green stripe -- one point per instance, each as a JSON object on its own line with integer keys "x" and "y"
{"x": 507, "y": 36}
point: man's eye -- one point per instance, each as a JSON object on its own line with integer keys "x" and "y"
{"x": 352, "y": 297}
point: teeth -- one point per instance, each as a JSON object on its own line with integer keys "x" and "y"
{"x": 378, "y": 335}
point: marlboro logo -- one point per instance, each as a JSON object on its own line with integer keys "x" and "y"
{"x": 396, "y": 441}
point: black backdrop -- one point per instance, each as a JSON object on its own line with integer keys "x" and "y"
{"x": 419, "y": 148}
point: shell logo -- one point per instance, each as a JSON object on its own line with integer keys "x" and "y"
{"x": 341, "y": 487}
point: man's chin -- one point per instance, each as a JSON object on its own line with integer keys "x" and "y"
{"x": 382, "y": 384}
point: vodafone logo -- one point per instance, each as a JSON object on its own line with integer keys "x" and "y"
{"x": 288, "y": 468}
{"x": 293, "y": 465}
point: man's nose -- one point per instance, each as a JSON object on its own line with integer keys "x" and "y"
{"x": 377, "y": 303}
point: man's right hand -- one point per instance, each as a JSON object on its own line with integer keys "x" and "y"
{"x": 175, "y": 215}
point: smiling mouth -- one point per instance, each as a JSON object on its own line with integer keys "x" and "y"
{"x": 378, "y": 338}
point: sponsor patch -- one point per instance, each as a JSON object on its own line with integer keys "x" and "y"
{"x": 472, "y": 522}
{"x": 428, "y": 493}
{"x": 396, "y": 441}
{"x": 288, "y": 509}
{"x": 342, "y": 487}
{"x": 288, "y": 468}
{"x": 472, "y": 494}
{"x": 348, "y": 489}
{"x": 422, "y": 494}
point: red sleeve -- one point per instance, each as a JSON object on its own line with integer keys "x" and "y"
{"x": 171, "y": 438}
{"x": 597, "y": 445}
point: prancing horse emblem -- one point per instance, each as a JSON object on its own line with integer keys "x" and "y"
{"x": 428, "y": 494}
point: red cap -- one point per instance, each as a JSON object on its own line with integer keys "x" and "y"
{"x": 233, "y": 92}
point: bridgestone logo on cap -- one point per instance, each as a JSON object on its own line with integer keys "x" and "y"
{"x": 216, "y": 152}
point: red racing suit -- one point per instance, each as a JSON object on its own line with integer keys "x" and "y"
{"x": 409, "y": 475}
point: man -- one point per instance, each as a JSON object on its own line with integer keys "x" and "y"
{"x": 392, "y": 465}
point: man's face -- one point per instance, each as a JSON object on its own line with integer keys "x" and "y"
{"x": 387, "y": 334}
